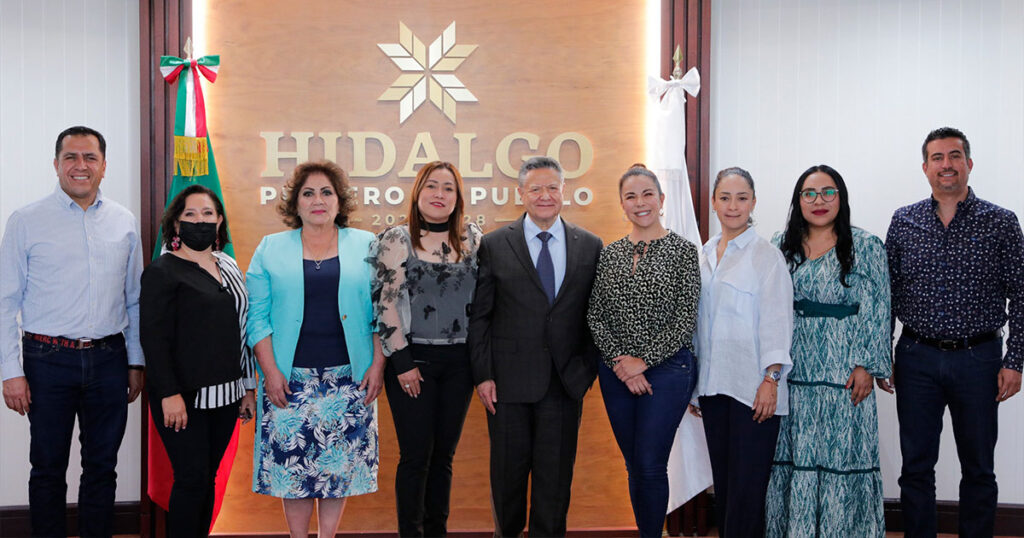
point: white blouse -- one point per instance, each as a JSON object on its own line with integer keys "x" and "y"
{"x": 744, "y": 320}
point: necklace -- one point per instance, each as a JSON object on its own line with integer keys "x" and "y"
{"x": 316, "y": 261}
{"x": 436, "y": 226}
{"x": 816, "y": 251}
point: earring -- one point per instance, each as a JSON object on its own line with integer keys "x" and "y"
{"x": 661, "y": 213}
{"x": 175, "y": 243}
{"x": 216, "y": 244}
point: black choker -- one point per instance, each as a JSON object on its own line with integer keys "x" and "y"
{"x": 435, "y": 226}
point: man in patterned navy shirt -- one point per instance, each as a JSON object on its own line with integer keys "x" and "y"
{"x": 954, "y": 261}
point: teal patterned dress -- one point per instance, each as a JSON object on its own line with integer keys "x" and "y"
{"x": 826, "y": 479}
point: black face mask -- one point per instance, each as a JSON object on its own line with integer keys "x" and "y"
{"x": 197, "y": 236}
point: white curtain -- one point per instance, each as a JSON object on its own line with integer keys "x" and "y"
{"x": 689, "y": 468}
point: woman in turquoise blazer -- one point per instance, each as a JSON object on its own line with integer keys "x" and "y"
{"x": 311, "y": 327}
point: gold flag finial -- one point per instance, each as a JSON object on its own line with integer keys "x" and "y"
{"x": 188, "y": 47}
{"x": 677, "y": 57}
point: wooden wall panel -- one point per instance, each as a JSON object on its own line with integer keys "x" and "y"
{"x": 539, "y": 68}
{"x": 600, "y": 497}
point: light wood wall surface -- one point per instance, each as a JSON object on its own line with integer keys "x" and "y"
{"x": 539, "y": 67}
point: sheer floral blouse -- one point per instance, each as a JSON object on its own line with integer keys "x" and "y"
{"x": 646, "y": 309}
{"x": 422, "y": 298}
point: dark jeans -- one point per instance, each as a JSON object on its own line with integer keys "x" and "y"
{"x": 928, "y": 380}
{"x": 428, "y": 430}
{"x": 91, "y": 384}
{"x": 645, "y": 427}
{"x": 741, "y": 451}
{"x": 195, "y": 453}
{"x": 533, "y": 443}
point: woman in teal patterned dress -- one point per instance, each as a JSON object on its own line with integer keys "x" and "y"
{"x": 826, "y": 480}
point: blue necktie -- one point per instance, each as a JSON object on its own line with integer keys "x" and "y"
{"x": 545, "y": 267}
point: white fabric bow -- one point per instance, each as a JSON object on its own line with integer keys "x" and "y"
{"x": 690, "y": 82}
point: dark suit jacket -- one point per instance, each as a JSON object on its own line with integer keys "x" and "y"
{"x": 515, "y": 335}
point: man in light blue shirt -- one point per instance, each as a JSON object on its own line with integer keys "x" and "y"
{"x": 70, "y": 265}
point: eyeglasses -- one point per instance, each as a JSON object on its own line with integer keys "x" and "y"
{"x": 808, "y": 196}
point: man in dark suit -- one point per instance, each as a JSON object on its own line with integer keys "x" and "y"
{"x": 532, "y": 355}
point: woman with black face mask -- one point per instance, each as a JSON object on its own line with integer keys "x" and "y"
{"x": 201, "y": 374}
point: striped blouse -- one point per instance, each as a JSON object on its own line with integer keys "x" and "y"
{"x": 230, "y": 392}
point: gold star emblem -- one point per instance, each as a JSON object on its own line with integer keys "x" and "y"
{"x": 427, "y": 71}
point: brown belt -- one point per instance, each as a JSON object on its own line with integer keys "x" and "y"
{"x": 74, "y": 343}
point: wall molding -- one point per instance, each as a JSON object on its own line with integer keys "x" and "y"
{"x": 1009, "y": 518}
{"x": 15, "y": 521}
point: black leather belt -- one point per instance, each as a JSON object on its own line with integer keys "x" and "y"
{"x": 75, "y": 343}
{"x": 950, "y": 344}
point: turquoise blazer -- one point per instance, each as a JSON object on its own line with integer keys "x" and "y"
{"x": 276, "y": 296}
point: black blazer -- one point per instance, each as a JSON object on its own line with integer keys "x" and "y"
{"x": 188, "y": 327}
{"x": 515, "y": 335}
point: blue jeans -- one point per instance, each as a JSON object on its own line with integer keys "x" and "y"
{"x": 928, "y": 380}
{"x": 645, "y": 427}
{"x": 91, "y": 384}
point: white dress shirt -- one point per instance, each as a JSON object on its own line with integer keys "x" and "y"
{"x": 69, "y": 273}
{"x": 556, "y": 246}
{"x": 744, "y": 320}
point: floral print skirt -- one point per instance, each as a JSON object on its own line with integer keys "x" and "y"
{"x": 324, "y": 444}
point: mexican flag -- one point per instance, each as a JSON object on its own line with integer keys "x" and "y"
{"x": 193, "y": 163}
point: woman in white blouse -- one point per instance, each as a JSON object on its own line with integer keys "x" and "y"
{"x": 744, "y": 330}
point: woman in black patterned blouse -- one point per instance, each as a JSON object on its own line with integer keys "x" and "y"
{"x": 643, "y": 309}
{"x": 426, "y": 275}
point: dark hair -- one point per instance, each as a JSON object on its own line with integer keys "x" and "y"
{"x": 455, "y": 237}
{"x": 79, "y": 130}
{"x": 638, "y": 169}
{"x": 177, "y": 206}
{"x": 536, "y": 163}
{"x": 733, "y": 171}
{"x": 288, "y": 207}
{"x": 945, "y": 132}
{"x": 796, "y": 227}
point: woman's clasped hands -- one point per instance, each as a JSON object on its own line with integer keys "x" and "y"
{"x": 630, "y": 371}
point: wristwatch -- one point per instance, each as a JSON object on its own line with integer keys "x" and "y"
{"x": 774, "y": 375}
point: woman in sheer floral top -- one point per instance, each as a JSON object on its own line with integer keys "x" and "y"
{"x": 426, "y": 274}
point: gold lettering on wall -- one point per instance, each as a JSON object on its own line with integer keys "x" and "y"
{"x": 501, "y": 155}
{"x": 466, "y": 158}
{"x": 582, "y": 144}
{"x": 423, "y": 144}
{"x": 359, "y": 167}
{"x": 275, "y": 153}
